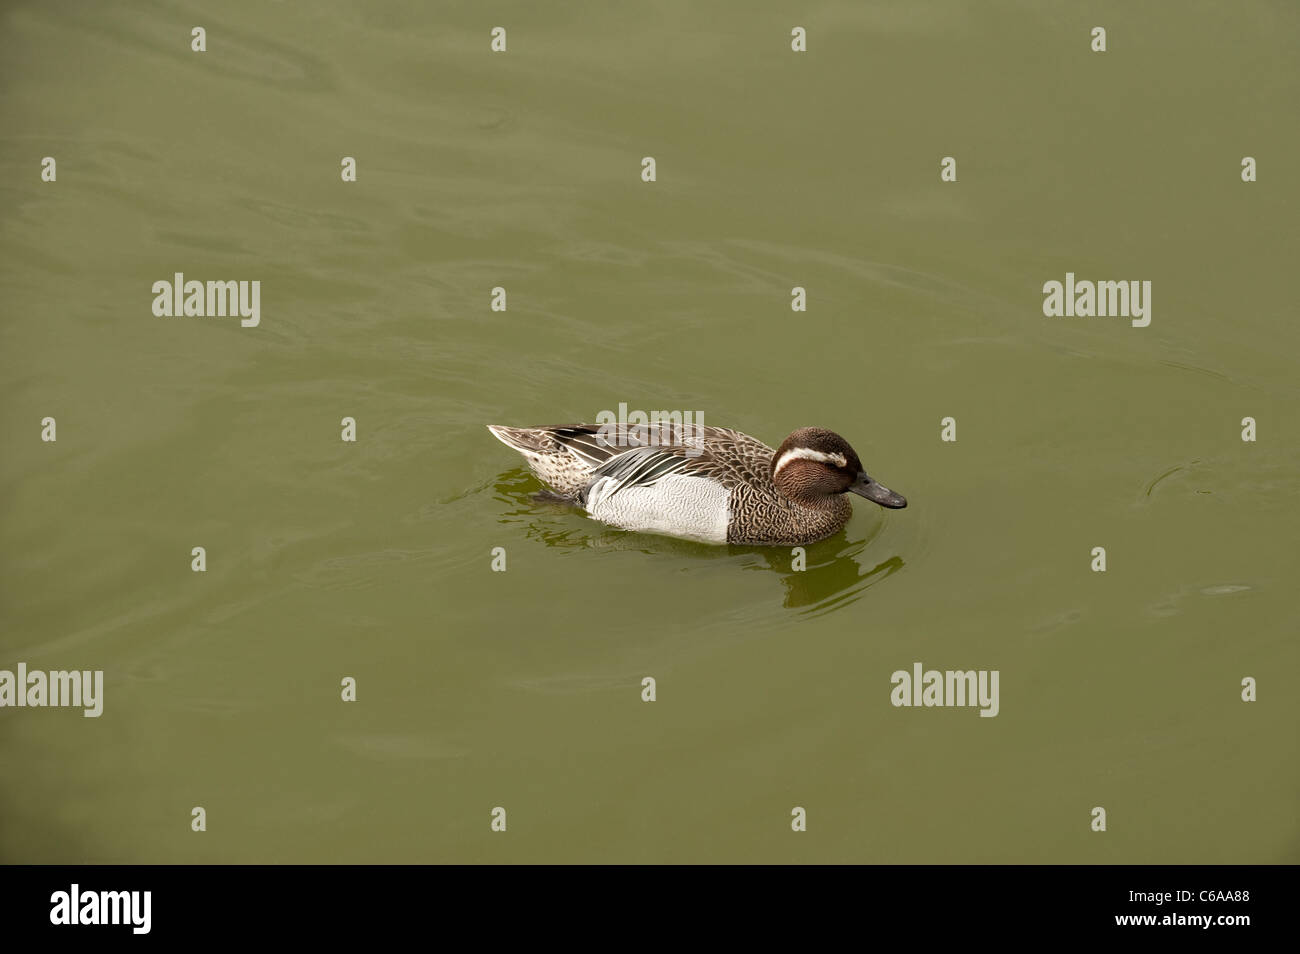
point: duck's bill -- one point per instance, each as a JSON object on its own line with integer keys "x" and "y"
{"x": 877, "y": 492}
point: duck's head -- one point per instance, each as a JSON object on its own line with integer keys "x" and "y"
{"x": 814, "y": 462}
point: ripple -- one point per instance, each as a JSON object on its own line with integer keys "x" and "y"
{"x": 233, "y": 53}
{"x": 1221, "y": 589}
{"x": 1172, "y": 470}
{"x": 1173, "y": 603}
{"x": 1196, "y": 370}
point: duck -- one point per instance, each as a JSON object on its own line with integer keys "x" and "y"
{"x": 705, "y": 483}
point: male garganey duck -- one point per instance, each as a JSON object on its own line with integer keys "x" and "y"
{"x": 702, "y": 483}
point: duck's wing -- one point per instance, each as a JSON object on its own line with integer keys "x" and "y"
{"x": 598, "y": 443}
{"x": 637, "y": 467}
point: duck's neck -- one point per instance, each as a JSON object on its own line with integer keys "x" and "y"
{"x": 820, "y": 502}
{"x": 815, "y": 518}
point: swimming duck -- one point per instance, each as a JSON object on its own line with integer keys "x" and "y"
{"x": 711, "y": 484}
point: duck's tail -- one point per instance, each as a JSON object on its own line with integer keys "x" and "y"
{"x": 532, "y": 440}
{"x": 549, "y": 458}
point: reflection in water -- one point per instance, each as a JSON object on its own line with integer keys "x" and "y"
{"x": 833, "y": 578}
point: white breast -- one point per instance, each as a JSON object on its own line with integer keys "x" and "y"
{"x": 677, "y": 505}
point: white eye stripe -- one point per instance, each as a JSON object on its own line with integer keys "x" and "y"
{"x": 806, "y": 453}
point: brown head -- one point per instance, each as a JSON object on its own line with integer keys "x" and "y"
{"x": 814, "y": 463}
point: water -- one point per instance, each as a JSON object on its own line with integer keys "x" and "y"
{"x": 522, "y": 689}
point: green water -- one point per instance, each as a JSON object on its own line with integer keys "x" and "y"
{"x": 522, "y": 689}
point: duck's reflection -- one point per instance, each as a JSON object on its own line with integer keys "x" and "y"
{"x": 826, "y": 576}
{"x": 832, "y": 576}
